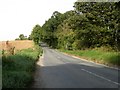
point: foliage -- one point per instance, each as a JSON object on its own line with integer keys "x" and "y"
{"x": 104, "y": 14}
{"x": 21, "y": 37}
{"x": 17, "y": 69}
{"x": 30, "y": 37}
{"x": 89, "y": 25}
{"x": 97, "y": 55}
{"x": 36, "y": 34}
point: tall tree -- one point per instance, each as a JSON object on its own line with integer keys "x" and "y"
{"x": 103, "y": 14}
{"x": 36, "y": 33}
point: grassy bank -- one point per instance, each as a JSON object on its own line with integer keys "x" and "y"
{"x": 17, "y": 69}
{"x": 97, "y": 55}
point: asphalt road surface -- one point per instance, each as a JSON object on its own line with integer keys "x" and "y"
{"x": 57, "y": 70}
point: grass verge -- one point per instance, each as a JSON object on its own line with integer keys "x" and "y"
{"x": 17, "y": 69}
{"x": 97, "y": 55}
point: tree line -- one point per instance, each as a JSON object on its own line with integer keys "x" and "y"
{"x": 89, "y": 25}
{"x": 23, "y": 37}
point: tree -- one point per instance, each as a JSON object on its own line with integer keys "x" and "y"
{"x": 36, "y": 34}
{"x": 29, "y": 38}
{"x": 22, "y": 37}
{"x": 89, "y": 25}
{"x": 104, "y": 15}
{"x": 50, "y": 27}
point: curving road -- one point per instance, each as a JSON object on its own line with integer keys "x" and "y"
{"x": 57, "y": 70}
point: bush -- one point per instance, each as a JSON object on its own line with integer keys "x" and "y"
{"x": 15, "y": 79}
{"x": 18, "y": 68}
{"x": 76, "y": 45}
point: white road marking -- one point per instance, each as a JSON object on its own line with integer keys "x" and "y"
{"x": 100, "y": 76}
{"x": 88, "y": 64}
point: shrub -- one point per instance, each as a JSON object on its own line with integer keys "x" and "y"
{"x": 18, "y": 68}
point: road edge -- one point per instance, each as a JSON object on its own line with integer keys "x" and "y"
{"x": 88, "y": 60}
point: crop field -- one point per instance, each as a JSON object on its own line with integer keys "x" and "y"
{"x": 19, "y": 45}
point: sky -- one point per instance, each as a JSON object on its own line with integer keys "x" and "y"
{"x": 20, "y": 16}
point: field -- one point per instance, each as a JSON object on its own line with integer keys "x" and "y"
{"x": 19, "y": 45}
{"x": 18, "y": 68}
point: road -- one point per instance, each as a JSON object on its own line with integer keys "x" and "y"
{"x": 57, "y": 70}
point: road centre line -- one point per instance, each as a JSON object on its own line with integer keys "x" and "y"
{"x": 100, "y": 76}
{"x": 92, "y": 72}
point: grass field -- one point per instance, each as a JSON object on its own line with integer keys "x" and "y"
{"x": 99, "y": 56}
{"x": 17, "y": 69}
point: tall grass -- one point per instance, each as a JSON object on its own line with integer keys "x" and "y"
{"x": 97, "y": 55}
{"x": 18, "y": 68}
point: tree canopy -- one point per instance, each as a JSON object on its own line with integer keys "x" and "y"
{"x": 36, "y": 34}
{"x": 89, "y": 25}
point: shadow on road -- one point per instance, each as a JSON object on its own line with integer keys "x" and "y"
{"x": 74, "y": 76}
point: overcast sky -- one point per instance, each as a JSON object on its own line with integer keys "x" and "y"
{"x": 19, "y": 16}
